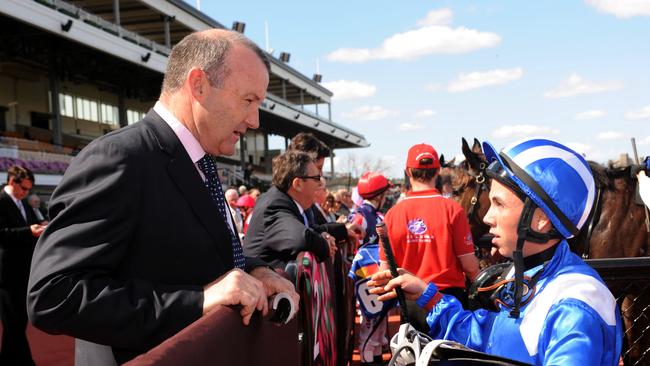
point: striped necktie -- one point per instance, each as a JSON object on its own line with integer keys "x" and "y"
{"x": 209, "y": 169}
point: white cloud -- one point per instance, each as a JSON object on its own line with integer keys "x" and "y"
{"x": 369, "y": 113}
{"x": 642, "y": 113}
{"x": 346, "y": 89}
{"x": 610, "y": 135}
{"x": 622, "y": 8}
{"x": 411, "y": 126}
{"x": 576, "y": 85}
{"x": 425, "y": 113}
{"x": 474, "y": 80}
{"x": 581, "y": 148}
{"x": 523, "y": 130}
{"x": 587, "y": 115}
{"x": 433, "y": 87}
{"x": 436, "y": 17}
{"x": 427, "y": 40}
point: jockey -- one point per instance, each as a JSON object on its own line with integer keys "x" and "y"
{"x": 551, "y": 307}
{"x": 372, "y": 187}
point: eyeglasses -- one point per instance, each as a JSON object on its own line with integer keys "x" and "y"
{"x": 26, "y": 189}
{"x": 314, "y": 177}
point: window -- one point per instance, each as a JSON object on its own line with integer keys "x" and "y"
{"x": 66, "y": 105}
{"x": 87, "y": 109}
{"x": 133, "y": 116}
{"x": 109, "y": 114}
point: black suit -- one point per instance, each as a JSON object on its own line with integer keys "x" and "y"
{"x": 133, "y": 239}
{"x": 16, "y": 248}
{"x": 277, "y": 231}
{"x": 316, "y": 219}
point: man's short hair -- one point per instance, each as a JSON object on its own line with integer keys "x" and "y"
{"x": 208, "y": 53}
{"x": 423, "y": 175}
{"x": 288, "y": 166}
{"x": 19, "y": 173}
{"x": 307, "y": 142}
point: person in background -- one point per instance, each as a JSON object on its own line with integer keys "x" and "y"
{"x": 430, "y": 235}
{"x": 231, "y": 198}
{"x": 140, "y": 243}
{"x": 330, "y": 208}
{"x": 246, "y": 204}
{"x": 373, "y": 187}
{"x": 19, "y": 230}
{"x": 242, "y": 190}
{"x": 279, "y": 229}
{"x": 551, "y": 308}
{"x": 343, "y": 197}
{"x": 35, "y": 202}
{"x": 254, "y": 193}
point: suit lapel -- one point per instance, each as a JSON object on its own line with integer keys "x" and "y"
{"x": 14, "y": 210}
{"x": 185, "y": 176}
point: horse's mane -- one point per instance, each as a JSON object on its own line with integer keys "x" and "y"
{"x": 601, "y": 175}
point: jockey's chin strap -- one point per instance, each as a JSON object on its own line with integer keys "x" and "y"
{"x": 526, "y": 233}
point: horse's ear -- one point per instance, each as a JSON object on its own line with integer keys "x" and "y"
{"x": 442, "y": 161}
{"x": 451, "y": 162}
{"x": 477, "y": 146}
{"x": 466, "y": 150}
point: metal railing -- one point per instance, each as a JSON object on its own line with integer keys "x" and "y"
{"x": 101, "y": 23}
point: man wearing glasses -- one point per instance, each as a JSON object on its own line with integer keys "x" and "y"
{"x": 19, "y": 230}
{"x": 279, "y": 228}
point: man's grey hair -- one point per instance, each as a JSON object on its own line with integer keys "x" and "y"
{"x": 208, "y": 53}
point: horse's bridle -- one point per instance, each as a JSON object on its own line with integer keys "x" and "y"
{"x": 481, "y": 182}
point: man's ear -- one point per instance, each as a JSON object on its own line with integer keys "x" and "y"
{"x": 296, "y": 184}
{"x": 541, "y": 222}
{"x": 197, "y": 83}
{"x": 408, "y": 172}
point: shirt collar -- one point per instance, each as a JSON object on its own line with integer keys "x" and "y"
{"x": 427, "y": 192}
{"x": 17, "y": 202}
{"x": 189, "y": 142}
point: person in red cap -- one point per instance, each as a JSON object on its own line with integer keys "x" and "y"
{"x": 429, "y": 234}
{"x": 373, "y": 188}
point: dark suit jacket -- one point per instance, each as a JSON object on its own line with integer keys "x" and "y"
{"x": 277, "y": 232}
{"x": 16, "y": 245}
{"x": 336, "y": 229}
{"x": 133, "y": 239}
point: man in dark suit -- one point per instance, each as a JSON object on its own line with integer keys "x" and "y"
{"x": 19, "y": 231}
{"x": 308, "y": 143}
{"x": 279, "y": 228}
{"x": 141, "y": 243}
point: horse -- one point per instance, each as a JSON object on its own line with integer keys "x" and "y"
{"x": 615, "y": 229}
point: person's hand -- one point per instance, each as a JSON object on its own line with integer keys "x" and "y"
{"x": 355, "y": 231}
{"x": 37, "y": 229}
{"x": 274, "y": 283}
{"x": 331, "y": 242}
{"x": 383, "y": 284}
{"x": 236, "y": 287}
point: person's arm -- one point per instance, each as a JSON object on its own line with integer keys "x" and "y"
{"x": 463, "y": 244}
{"x": 286, "y": 234}
{"x": 575, "y": 334}
{"x": 447, "y": 319}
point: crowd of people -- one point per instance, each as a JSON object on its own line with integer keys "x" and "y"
{"x": 143, "y": 239}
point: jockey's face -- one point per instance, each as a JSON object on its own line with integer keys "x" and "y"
{"x": 503, "y": 218}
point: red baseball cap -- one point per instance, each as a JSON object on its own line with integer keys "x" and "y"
{"x": 422, "y": 156}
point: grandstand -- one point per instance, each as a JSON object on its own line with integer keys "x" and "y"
{"x": 71, "y": 71}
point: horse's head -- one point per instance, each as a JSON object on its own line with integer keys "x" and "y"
{"x": 471, "y": 189}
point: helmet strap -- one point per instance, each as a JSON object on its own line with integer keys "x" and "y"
{"x": 524, "y": 232}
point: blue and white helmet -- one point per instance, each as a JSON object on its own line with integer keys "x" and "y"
{"x": 556, "y": 178}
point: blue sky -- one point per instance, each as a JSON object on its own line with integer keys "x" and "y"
{"x": 406, "y": 72}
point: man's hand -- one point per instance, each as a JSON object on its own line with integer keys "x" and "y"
{"x": 384, "y": 285}
{"x": 331, "y": 242}
{"x": 274, "y": 283}
{"x": 236, "y": 287}
{"x": 355, "y": 232}
{"x": 37, "y": 229}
